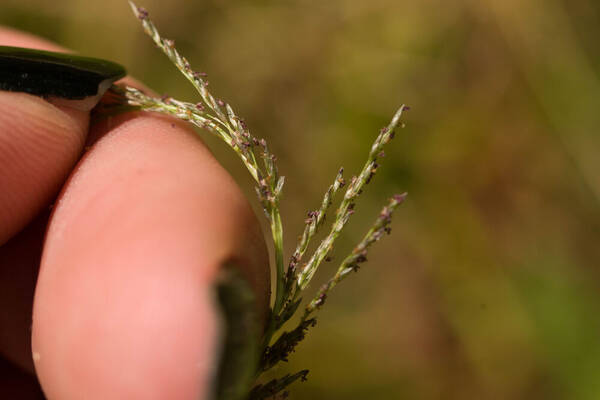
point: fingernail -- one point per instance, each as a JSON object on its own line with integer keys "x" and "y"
{"x": 239, "y": 354}
{"x": 61, "y": 78}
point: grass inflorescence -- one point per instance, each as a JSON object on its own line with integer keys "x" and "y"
{"x": 218, "y": 117}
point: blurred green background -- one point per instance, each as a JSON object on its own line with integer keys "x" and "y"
{"x": 489, "y": 286}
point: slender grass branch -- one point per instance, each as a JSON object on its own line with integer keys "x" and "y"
{"x": 358, "y": 254}
{"x": 346, "y": 208}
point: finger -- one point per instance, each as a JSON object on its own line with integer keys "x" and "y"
{"x": 124, "y": 306}
{"x": 39, "y": 144}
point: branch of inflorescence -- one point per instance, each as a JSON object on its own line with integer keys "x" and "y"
{"x": 234, "y": 132}
{"x": 219, "y": 118}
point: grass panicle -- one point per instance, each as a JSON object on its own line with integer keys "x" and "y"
{"x": 219, "y": 118}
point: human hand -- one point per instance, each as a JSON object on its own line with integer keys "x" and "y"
{"x": 124, "y": 304}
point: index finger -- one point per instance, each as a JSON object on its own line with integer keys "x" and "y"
{"x": 39, "y": 144}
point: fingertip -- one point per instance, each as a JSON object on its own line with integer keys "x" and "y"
{"x": 39, "y": 144}
{"x": 125, "y": 298}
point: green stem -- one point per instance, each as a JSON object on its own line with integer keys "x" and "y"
{"x": 277, "y": 229}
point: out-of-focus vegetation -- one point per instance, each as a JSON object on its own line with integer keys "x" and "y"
{"x": 489, "y": 287}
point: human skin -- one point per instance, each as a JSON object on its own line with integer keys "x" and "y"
{"x": 128, "y": 257}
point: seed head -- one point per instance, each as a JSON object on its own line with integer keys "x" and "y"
{"x": 400, "y": 197}
{"x": 321, "y": 300}
{"x": 142, "y": 13}
{"x": 165, "y": 98}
